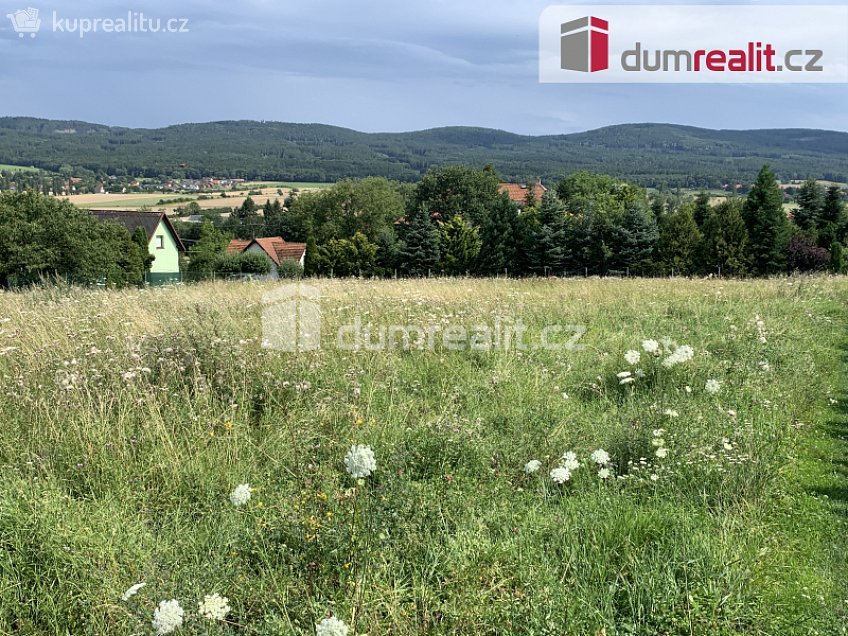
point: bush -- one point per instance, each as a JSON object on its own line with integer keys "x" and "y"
{"x": 252, "y": 263}
{"x": 806, "y": 256}
{"x": 290, "y": 270}
{"x": 231, "y": 265}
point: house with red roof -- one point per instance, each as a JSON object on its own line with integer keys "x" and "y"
{"x": 519, "y": 192}
{"x": 274, "y": 247}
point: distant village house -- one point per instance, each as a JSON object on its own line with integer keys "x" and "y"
{"x": 275, "y": 248}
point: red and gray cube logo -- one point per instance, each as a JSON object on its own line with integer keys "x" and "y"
{"x": 585, "y": 45}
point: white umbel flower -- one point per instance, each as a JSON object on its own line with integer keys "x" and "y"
{"x": 662, "y": 452}
{"x": 360, "y": 461}
{"x": 167, "y": 617}
{"x": 651, "y": 346}
{"x": 560, "y": 475}
{"x": 331, "y": 627}
{"x": 632, "y": 357}
{"x": 604, "y": 473}
{"x": 713, "y": 386}
{"x": 214, "y": 607}
{"x": 683, "y": 353}
{"x": 532, "y": 466}
{"x": 601, "y": 457}
{"x": 570, "y": 461}
{"x": 132, "y": 591}
{"x": 241, "y": 495}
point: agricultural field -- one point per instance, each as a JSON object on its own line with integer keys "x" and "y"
{"x": 675, "y": 465}
{"x": 176, "y": 200}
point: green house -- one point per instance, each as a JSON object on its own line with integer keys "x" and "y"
{"x": 163, "y": 243}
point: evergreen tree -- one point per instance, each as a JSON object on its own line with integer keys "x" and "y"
{"x": 637, "y": 241}
{"x": 725, "y": 241}
{"x": 679, "y": 242}
{"x": 810, "y": 200}
{"x": 702, "y": 208}
{"x": 837, "y": 258}
{"x": 550, "y": 236}
{"x": 203, "y": 254}
{"x": 499, "y": 250}
{"x": 768, "y": 227}
{"x": 420, "y": 254}
{"x": 832, "y": 226}
{"x": 459, "y": 245}
{"x": 139, "y": 237}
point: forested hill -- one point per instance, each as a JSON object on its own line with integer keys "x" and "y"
{"x": 651, "y": 154}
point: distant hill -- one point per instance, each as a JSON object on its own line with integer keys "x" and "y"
{"x": 651, "y": 154}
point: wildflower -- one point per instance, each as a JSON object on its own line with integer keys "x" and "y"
{"x": 560, "y": 475}
{"x": 360, "y": 461}
{"x": 662, "y": 452}
{"x": 167, "y": 617}
{"x": 683, "y": 353}
{"x": 214, "y": 607}
{"x": 132, "y": 591}
{"x": 639, "y": 373}
{"x": 726, "y": 444}
{"x": 659, "y": 432}
{"x": 241, "y": 495}
{"x": 658, "y": 442}
{"x": 331, "y": 627}
{"x": 627, "y": 381}
{"x": 651, "y": 346}
{"x": 569, "y": 461}
{"x": 632, "y": 357}
{"x": 604, "y": 473}
{"x": 713, "y": 386}
{"x": 601, "y": 457}
{"x": 671, "y": 413}
{"x": 654, "y": 477}
{"x": 532, "y": 466}
{"x": 623, "y": 375}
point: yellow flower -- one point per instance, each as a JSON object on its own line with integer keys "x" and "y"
{"x": 228, "y": 425}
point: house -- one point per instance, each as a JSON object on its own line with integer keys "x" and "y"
{"x": 163, "y": 243}
{"x": 275, "y": 248}
{"x": 518, "y": 192}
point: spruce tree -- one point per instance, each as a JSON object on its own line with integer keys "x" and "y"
{"x": 420, "y": 254}
{"x": 725, "y": 244}
{"x": 702, "y": 208}
{"x": 832, "y": 225}
{"x": 637, "y": 241}
{"x": 679, "y": 242}
{"x": 550, "y": 236}
{"x": 768, "y": 227}
{"x": 499, "y": 252}
{"x": 837, "y": 258}
{"x": 810, "y": 200}
{"x": 312, "y": 258}
{"x": 459, "y": 245}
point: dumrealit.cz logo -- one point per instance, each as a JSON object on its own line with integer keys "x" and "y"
{"x": 693, "y": 43}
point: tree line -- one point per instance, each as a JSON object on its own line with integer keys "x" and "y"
{"x": 456, "y": 221}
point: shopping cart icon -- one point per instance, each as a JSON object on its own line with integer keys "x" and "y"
{"x": 25, "y": 21}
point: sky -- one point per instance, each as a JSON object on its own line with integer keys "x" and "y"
{"x": 378, "y": 65}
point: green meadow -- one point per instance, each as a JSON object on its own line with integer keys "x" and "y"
{"x": 706, "y": 494}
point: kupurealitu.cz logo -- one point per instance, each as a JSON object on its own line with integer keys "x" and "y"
{"x": 724, "y": 43}
{"x": 28, "y": 22}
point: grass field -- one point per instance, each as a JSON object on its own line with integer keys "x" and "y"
{"x": 136, "y": 201}
{"x": 131, "y": 417}
{"x": 5, "y": 167}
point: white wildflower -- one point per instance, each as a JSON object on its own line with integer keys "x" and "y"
{"x": 623, "y": 375}
{"x": 658, "y": 442}
{"x": 331, "y": 627}
{"x": 627, "y": 381}
{"x": 570, "y": 461}
{"x": 360, "y": 461}
{"x": 639, "y": 373}
{"x": 659, "y": 432}
{"x": 167, "y": 617}
{"x": 532, "y": 466}
{"x": 601, "y": 457}
{"x": 604, "y": 473}
{"x": 560, "y": 475}
{"x": 683, "y": 353}
{"x": 651, "y": 346}
{"x": 132, "y": 591}
{"x": 713, "y": 386}
{"x": 632, "y": 357}
{"x": 726, "y": 444}
{"x": 671, "y": 413}
{"x": 214, "y": 607}
{"x": 662, "y": 452}
{"x": 654, "y": 477}
{"x": 241, "y": 495}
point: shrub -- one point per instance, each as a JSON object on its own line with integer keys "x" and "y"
{"x": 290, "y": 269}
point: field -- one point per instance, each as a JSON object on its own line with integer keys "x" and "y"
{"x": 131, "y": 417}
{"x": 136, "y": 200}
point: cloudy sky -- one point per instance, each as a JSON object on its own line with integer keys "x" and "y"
{"x": 375, "y": 65}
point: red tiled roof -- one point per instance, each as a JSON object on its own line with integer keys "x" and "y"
{"x": 518, "y": 192}
{"x": 237, "y": 247}
{"x": 275, "y": 247}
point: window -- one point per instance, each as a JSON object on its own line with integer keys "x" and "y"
{"x": 160, "y": 242}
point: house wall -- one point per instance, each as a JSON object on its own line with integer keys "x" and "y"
{"x": 255, "y": 249}
{"x": 167, "y": 260}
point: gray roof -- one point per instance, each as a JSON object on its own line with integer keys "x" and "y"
{"x": 134, "y": 220}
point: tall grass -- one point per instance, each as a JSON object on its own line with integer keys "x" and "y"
{"x": 129, "y": 417}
